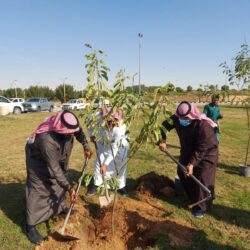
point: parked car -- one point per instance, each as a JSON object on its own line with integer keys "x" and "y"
{"x": 74, "y": 104}
{"x": 99, "y": 102}
{"x": 38, "y": 104}
{"x": 11, "y": 107}
{"x": 19, "y": 100}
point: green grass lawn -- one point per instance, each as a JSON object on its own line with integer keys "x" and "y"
{"x": 227, "y": 226}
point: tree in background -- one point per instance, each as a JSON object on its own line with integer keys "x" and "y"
{"x": 39, "y": 91}
{"x": 189, "y": 88}
{"x": 48, "y": 93}
{"x": 205, "y": 92}
{"x": 135, "y": 89}
{"x": 179, "y": 90}
{"x": 239, "y": 75}
{"x": 80, "y": 93}
{"x": 200, "y": 93}
{"x": 225, "y": 88}
{"x": 225, "y": 92}
{"x": 12, "y": 93}
{"x": 70, "y": 93}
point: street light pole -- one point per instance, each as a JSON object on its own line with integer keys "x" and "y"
{"x": 15, "y": 91}
{"x": 133, "y": 80}
{"x": 14, "y": 83}
{"x": 140, "y": 35}
{"x": 64, "y": 91}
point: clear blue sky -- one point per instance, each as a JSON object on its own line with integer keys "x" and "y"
{"x": 184, "y": 41}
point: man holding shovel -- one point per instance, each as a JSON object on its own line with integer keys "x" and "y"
{"x": 199, "y": 152}
{"x": 47, "y": 155}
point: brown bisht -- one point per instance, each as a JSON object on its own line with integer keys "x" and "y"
{"x": 199, "y": 147}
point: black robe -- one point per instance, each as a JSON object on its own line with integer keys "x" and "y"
{"x": 47, "y": 163}
{"x": 199, "y": 147}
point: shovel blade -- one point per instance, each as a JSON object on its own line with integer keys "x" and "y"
{"x": 60, "y": 237}
{"x": 104, "y": 202}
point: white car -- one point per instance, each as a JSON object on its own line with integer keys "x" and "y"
{"x": 9, "y": 106}
{"x": 74, "y": 104}
{"x": 19, "y": 100}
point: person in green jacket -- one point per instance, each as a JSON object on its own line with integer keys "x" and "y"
{"x": 212, "y": 111}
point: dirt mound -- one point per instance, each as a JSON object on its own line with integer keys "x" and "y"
{"x": 138, "y": 223}
{"x": 152, "y": 184}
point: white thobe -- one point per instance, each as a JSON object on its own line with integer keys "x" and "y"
{"x": 116, "y": 160}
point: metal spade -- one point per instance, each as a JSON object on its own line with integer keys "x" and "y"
{"x": 59, "y": 234}
{"x": 107, "y": 199}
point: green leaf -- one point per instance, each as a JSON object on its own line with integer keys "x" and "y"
{"x": 88, "y": 45}
{"x": 103, "y": 63}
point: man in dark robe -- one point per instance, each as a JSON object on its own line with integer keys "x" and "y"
{"x": 199, "y": 152}
{"x": 47, "y": 155}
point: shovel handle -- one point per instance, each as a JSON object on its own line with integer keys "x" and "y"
{"x": 194, "y": 179}
{"x": 72, "y": 203}
{"x": 103, "y": 178}
{"x": 62, "y": 229}
{"x": 191, "y": 176}
{"x": 106, "y": 189}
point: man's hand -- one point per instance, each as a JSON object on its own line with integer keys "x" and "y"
{"x": 189, "y": 170}
{"x": 72, "y": 195}
{"x": 103, "y": 169}
{"x": 163, "y": 147}
{"x": 92, "y": 138}
{"x": 88, "y": 154}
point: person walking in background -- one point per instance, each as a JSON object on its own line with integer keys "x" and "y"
{"x": 212, "y": 111}
{"x": 199, "y": 152}
{"x": 47, "y": 155}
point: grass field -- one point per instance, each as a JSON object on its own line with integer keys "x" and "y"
{"x": 227, "y": 226}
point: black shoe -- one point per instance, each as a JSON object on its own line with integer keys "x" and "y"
{"x": 33, "y": 235}
{"x": 92, "y": 188}
{"x": 66, "y": 210}
{"x": 123, "y": 191}
{"x": 198, "y": 214}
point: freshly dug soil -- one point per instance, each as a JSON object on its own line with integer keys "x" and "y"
{"x": 152, "y": 184}
{"x": 138, "y": 223}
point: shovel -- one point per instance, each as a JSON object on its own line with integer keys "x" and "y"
{"x": 107, "y": 199}
{"x": 209, "y": 196}
{"x": 59, "y": 234}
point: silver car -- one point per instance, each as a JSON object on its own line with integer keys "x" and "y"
{"x": 38, "y": 104}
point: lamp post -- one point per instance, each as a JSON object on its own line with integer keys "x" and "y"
{"x": 14, "y": 84}
{"x": 64, "y": 91}
{"x": 81, "y": 86}
{"x": 140, "y": 35}
{"x": 133, "y": 80}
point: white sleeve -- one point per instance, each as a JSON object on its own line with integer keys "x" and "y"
{"x": 97, "y": 115}
{"x": 114, "y": 144}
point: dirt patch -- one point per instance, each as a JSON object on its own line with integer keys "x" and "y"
{"x": 138, "y": 223}
{"x": 152, "y": 184}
